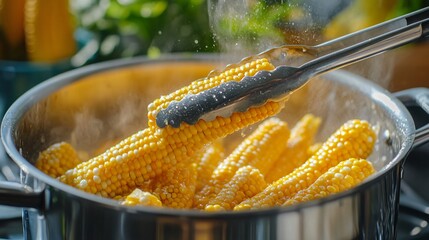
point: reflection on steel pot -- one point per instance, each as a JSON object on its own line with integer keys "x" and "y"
{"x": 107, "y": 101}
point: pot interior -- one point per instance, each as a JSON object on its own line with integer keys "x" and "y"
{"x": 98, "y": 106}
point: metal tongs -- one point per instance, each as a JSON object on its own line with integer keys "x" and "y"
{"x": 277, "y": 84}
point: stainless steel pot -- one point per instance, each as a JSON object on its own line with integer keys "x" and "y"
{"x": 93, "y": 104}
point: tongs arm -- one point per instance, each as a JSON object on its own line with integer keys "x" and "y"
{"x": 414, "y": 26}
{"x": 371, "y": 32}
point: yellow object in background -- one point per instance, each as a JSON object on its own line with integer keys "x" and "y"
{"x": 358, "y": 15}
{"x": 12, "y": 38}
{"x": 49, "y": 30}
{"x": 12, "y": 21}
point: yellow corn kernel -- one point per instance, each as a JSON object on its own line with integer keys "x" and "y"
{"x": 139, "y": 197}
{"x": 246, "y": 183}
{"x": 57, "y": 159}
{"x": 153, "y": 151}
{"x": 209, "y": 160}
{"x": 344, "y": 176}
{"x": 355, "y": 139}
{"x": 259, "y": 150}
{"x": 313, "y": 149}
{"x": 301, "y": 137}
{"x": 176, "y": 188}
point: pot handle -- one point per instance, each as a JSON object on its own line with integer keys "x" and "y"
{"x": 417, "y": 97}
{"x": 13, "y": 193}
{"x": 18, "y": 195}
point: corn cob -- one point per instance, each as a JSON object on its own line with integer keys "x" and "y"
{"x": 295, "y": 154}
{"x": 233, "y": 74}
{"x": 57, "y": 159}
{"x": 176, "y": 187}
{"x": 259, "y": 150}
{"x": 49, "y": 30}
{"x": 153, "y": 151}
{"x": 209, "y": 160}
{"x": 355, "y": 139}
{"x": 247, "y": 182}
{"x": 139, "y": 197}
{"x": 344, "y": 176}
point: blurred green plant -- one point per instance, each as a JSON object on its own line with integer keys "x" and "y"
{"x": 295, "y": 21}
{"x": 405, "y": 6}
{"x": 262, "y": 19}
{"x": 127, "y": 28}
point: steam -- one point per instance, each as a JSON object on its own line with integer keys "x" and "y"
{"x": 93, "y": 131}
{"x": 378, "y": 69}
{"x": 87, "y": 129}
{"x": 243, "y": 27}
{"x": 224, "y": 16}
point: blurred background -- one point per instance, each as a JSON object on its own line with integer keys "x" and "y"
{"x": 40, "y": 38}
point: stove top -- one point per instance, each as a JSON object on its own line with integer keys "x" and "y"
{"x": 413, "y": 221}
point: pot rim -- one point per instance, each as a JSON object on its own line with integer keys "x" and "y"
{"x": 44, "y": 89}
